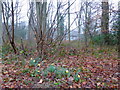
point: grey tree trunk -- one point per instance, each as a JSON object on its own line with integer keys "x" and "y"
{"x": 80, "y": 22}
{"x": 41, "y": 26}
{"x": 69, "y": 20}
{"x": 30, "y": 35}
{"x": 39, "y": 16}
{"x": 105, "y": 21}
{"x": 58, "y": 18}
{"x": 44, "y": 19}
{"x": 86, "y": 26}
{"x": 17, "y": 16}
{"x": 0, "y": 22}
{"x": 119, "y": 29}
{"x": 61, "y": 26}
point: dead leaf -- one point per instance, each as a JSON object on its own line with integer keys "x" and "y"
{"x": 98, "y": 83}
{"x": 12, "y": 86}
{"x": 41, "y": 81}
{"x": 6, "y": 72}
{"x": 116, "y": 79}
{"x": 84, "y": 83}
{"x": 70, "y": 78}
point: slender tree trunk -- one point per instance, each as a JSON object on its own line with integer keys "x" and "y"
{"x": 119, "y": 29}
{"x": 69, "y": 20}
{"x": 86, "y": 26}
{"x": 79, "y": 26}
{"x": 61, "y": 26}
{"x": 17, "y": 3}
{"x": 58, "y": 18}
{"x": 12, "y": 41}
{"x": 30, "y": 32}
{"x": 44, "y": 18}
{"x": 0, "y": 23}
{"x": 10, "y": 37}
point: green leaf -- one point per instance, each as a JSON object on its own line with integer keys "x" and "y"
{"x": 33, "y": 63}
{"x": 51, "y": 68}
{"x": 76, "y": 79}
{"x": 57, "y": 83}
{"x": 27, "y": 70}
{"x": 21, "y": 51}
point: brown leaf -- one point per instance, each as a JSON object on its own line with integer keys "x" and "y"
{"x": 84, "y": 83}
{"x": 70, "y": 78}
{"x": 12, "y": 86}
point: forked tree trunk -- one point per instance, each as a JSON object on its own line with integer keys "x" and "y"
{"x": 10, "y": 36}
{"x": 41, "y": 27}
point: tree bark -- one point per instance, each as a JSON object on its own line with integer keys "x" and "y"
{"x": 10, "y": 37}
{"x": 86, "y": 25}
{"x": 118, "y": 29}
{"x": 58, "y": 18}
{"x": 0, "y": 23}
{"x": 41, "y": 27}
{"x": 12, "y": 41}
{"x": 69, "y": 20}
{"x": 105, "y": 21}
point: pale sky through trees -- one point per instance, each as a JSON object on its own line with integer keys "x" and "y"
{"x": 74, "y": 8}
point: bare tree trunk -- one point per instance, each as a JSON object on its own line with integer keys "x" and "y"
{"x": 12, "y": 41}
{"x": 44, "y": 17}
{"x": 105, "y": 21}
{"x": 119, "y": 29}
{"x": 69, "y": 20}
{"x": 58, "y": 18}
{"x": 10, "y": 37}
{"x": 17, "y": 3}
{"x": 41, "y": 26}
{"x": 7, "y": 11}
{"x": 1, "y": 44}
{"x": 79, "y": 22}
{"x": 86, "y": 26}
{"x": 40, "y": 29}
{"x": 79, "y": 26}
{"x": 0, "y": 23}
{"x": 30, "y": 35}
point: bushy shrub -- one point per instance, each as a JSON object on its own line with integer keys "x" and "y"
{"x": 99, "y": 39}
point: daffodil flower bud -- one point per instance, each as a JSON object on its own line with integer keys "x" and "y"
{"x": 33, "y": 60}
{"x": 66, "y": 71}
{"x": 38, "y": 71}
{"x": 39, "y": 65}
{"x": 78, "y": 76}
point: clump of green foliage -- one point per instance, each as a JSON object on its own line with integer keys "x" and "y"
{"x": 6, "y": 48}
{"x": 59, "y": 72}
{"x": 51, "y": 68}
{"x": 99, "y": 39}
{"x": 34, "y": 62}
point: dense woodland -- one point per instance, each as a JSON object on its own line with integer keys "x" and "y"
{"x": 60, "y": 47}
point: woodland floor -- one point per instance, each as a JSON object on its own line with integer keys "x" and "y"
{"x": 92, "y": 68}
